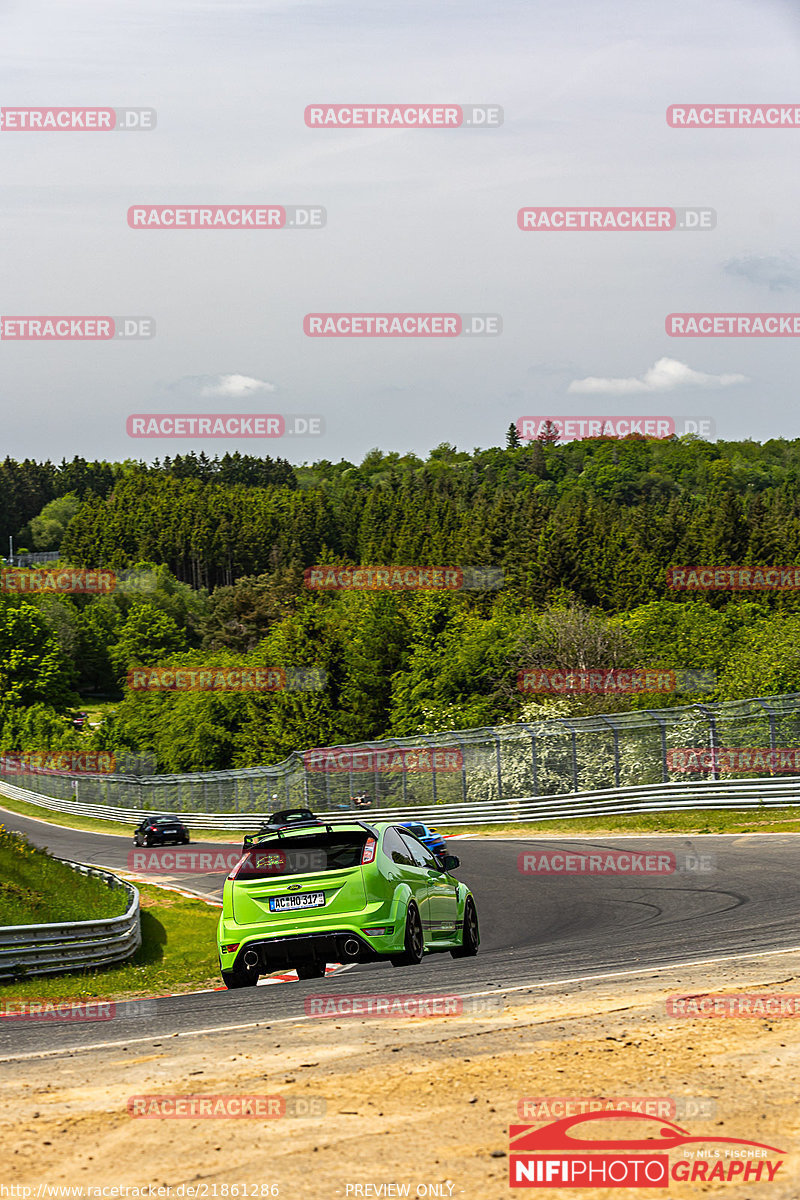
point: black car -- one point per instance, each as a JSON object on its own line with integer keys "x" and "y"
{"x": 282, "y": 819}
{"x": 158, "y": 831}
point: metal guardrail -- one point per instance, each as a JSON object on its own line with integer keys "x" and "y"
{"x": 67, "y": 945}
{"x": 730, "y": 794}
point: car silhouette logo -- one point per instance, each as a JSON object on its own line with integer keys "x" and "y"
{"x": 557, "y": 1136}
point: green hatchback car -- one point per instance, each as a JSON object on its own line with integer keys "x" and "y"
{"x": 310, "y": 892}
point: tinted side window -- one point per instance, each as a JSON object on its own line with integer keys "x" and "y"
{"x": 422, "y": 856}
{"x": 396, "y": 849}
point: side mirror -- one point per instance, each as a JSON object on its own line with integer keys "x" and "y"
{"x": 451, "y": 861}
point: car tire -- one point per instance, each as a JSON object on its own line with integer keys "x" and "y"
{"x": 313, "y": 970}
{"x": 239, "y": 978}
{"x": 470, "y": 936}
{"x": 413, "y": 942}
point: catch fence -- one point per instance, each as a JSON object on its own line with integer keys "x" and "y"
{"x": 473, "y": 766}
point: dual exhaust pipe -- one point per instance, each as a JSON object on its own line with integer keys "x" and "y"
{"x": 350, "y": 948}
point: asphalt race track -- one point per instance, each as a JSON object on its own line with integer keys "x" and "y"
{"x": 731, "y": 895}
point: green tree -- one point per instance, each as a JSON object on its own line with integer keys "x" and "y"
{"x": 147, "y": 637}
{"x": 512, "y": 437}
{"x": 33, "y": 670}
{"x": 48, "y": 528}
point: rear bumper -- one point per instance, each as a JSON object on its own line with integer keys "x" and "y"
{"x": 340, "y": 946}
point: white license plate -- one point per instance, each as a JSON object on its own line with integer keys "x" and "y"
{"x": 304, "y": 900}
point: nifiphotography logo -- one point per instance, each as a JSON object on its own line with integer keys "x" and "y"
{"x": 562, "y": 1154}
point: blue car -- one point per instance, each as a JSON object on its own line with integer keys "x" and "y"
{"x": 429, "y": 837}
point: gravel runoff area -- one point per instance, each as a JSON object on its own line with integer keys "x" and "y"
{"x": 421, "y": 1103}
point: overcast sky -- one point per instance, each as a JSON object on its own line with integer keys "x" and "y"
{"x": 417, "y": 221}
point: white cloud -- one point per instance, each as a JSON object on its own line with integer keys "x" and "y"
{"x": 666, "y": 375}
{"x": 778, "y": 272}
{"x": 232, "y": 387}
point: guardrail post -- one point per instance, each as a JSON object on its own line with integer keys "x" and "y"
{"x": 773, "y": 738}
{"x": 463, "y": 771}
{"x": 662, "y": 728}
{"x": 534, "y": 764}
{"x": 574, "y": 740}
{"x": 430, "y": 742}
{"x": 713, "y": 741}
{"x": 499, "y": 767}
{"x": 615, "y": 736}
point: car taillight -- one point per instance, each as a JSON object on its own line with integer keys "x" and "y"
{"x": 152, "y": 829}
{"x": 238, "y": 866}
{"x": 229, "y": 949}
{"x": 368, "y": 855}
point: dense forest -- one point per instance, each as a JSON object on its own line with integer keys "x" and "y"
{"x": 212, "y": 553}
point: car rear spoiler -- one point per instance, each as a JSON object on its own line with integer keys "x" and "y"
{"x": 277, "y": 831}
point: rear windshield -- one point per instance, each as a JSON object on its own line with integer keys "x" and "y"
{"x": 417, "y": 829}
{"x": 302, "y": 855}
{"x": 164, "y": 821}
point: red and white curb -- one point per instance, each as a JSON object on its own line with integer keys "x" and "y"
{"x": 157, "y": 881}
